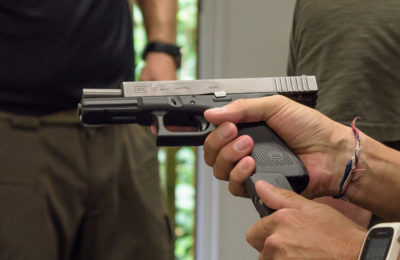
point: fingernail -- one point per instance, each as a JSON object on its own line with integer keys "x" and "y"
{"x": 225, "y": 131}
{"x": 244, "y": 165}
{"x": 263, "y": 185}
{"x": 241, "y": 144}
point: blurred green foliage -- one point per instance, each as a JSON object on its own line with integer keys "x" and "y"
{"x": 184, "y": 161}
{"x": 184, "y": 167}
{"x": 185, "y": 203}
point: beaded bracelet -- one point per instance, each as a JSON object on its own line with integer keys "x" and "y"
{"x": 352, "y": 164}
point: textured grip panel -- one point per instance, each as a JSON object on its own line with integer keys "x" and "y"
{"x": 270, "y": 153}
{"x": 275, "y": 163}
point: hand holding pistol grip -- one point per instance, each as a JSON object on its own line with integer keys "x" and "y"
{"x": 275, "y": 164}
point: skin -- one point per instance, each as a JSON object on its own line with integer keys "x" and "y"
{"x": 301, "y": 228}
{"x": 355, "y": 213}
{"x": 225, "y": 152}
{"x": 160, "y": 23}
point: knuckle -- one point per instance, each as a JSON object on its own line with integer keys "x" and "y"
{"x": 249, "y": 238}
{"x": 232, "y": 190}
{"x": 210, "y": 152}
{"x": 274, "y": 244}
{"x": 271, "y": 242}
{"x": 208, "y": 160}
{"x": 221, "y": 173}
{"x": 282, "y": 215}
{"x": 238, "y": 175}
{"x": 277, "y": 216}
{"x": 280, "y": 98}
{"x": 236, "y": 178}
{"x": 235, "y": 190}
{"x": 226, "y": 157}
{"x": 239, "y": 102}
{"x": 211, "y": 144}
{"x": 218, "y": 174}
{"x": 252, "y": 241}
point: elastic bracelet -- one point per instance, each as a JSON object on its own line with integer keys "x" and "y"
{"x": 352, "y": 164}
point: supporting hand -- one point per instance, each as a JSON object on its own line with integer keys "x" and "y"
{"x": 301, "y": 228}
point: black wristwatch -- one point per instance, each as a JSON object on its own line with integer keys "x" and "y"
{"x": 171, "y": 49}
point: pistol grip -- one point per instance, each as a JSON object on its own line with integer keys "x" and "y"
{"x": 275, "y": 163}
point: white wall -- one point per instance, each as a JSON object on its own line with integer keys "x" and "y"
{"x": 237, "y": 38}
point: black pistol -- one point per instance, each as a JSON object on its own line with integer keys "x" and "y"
{"x": 182, "y": 103}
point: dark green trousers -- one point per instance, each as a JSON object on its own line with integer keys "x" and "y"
{"x": 70, "y": 192}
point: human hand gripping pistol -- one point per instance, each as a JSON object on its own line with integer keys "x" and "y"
{"x": 182, "y": 103}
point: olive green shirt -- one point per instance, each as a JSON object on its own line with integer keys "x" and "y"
{"x": 353, "y": 48}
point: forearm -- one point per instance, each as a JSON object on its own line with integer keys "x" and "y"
{"x": 160, "y": 19}
{"x": 131, "y": 3}
{"x": 377, "y": 187}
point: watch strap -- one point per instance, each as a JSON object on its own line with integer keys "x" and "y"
{"x": 170, "y": 49}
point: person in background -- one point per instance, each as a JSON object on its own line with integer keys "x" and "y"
{"x": 352, "y": 49}
{"x": 66, "y": 191}
{"x": 301, "y": 228}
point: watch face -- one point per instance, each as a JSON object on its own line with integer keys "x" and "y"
{"x": 377, "y": 248}
{"x": 377, "y": 244}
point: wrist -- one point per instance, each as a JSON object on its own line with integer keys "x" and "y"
{"x": 377, "y": 187}
{"x": 379, "y": 182}
{"x": 357, "y": 187}
{"x": 342, "y": 149}
{"x": 160, "y": 58}
{"x": 354, "y": 244}
{"x": 352, "y": 166}
{"x": 172, "y": 50}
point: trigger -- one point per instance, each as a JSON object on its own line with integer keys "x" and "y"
{"x": 203, "y": 124}
{"x": 158, "y": 122}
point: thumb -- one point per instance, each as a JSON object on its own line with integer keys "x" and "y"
{"x": 278, "y": 198}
